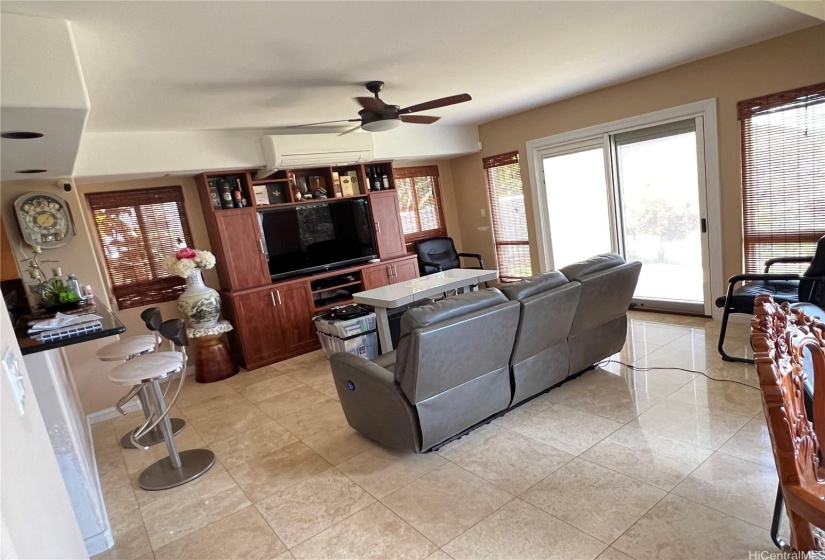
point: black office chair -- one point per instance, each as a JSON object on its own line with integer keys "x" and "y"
{"x": 438, "y": 254}
{"x": 790, "y": 288}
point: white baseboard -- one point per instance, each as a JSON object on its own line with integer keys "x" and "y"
{"x": 131, "y": 406}
{"x": 111, "y": 412}
{"x": 99, "y": 543}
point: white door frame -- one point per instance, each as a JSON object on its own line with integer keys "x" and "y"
{"x": 708, "y": 142}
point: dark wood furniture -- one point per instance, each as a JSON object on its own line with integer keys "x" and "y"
{"x": 213, "y": 361}
{"x": 274, "y": 320}
{"x": 781, "y": 336}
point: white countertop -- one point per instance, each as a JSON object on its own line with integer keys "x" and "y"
{"x": 403, "y": 293}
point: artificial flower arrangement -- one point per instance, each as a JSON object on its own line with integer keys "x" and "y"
{"x": 186, "y": 260}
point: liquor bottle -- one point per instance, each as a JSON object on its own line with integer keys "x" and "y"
{"x": 386, "y": 181}
{"x": 214, "y": 194}
{"x": 376, "y": 180}
{"x": 238, "y": 194}
{"x": 226, "y": 194}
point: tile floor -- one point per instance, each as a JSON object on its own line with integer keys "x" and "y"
{"x": 612, "y": 465}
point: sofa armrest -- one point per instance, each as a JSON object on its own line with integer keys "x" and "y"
{"x": 374, "y": 404}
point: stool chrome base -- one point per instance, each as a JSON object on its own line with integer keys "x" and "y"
{"x": 154, "y": 436}
{"x": 161, "y": 475}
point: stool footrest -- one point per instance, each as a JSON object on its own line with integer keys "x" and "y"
{"x": 161, "y": 475}
{"x": 152, "y": 437}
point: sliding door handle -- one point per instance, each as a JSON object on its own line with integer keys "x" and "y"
{"x": 704, "y": 223}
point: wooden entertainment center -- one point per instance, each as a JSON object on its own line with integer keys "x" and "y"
{"x": 273, "y": 320}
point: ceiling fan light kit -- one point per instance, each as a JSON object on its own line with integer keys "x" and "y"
{"x": 378, "y": 116}
{"x": 382, "y": 125}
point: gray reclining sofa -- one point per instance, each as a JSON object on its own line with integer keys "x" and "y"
{"x": 467, "y": 358}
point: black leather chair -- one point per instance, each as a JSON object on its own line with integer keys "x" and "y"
{"x": 438, "y": 254}
{"x": 790, "y": 288}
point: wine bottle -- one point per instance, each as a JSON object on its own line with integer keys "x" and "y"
{"x": 376, "y": 180}
{"x": 385, "y": 179}
{"x": 226, "y": 194}
{"x": 237, "y": 198}
{"x": 368, "y": 171}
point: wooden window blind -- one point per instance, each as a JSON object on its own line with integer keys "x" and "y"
{"x": 136, "y": 229}
{"x": 509, "y": 218}
{"x": 783, "y": 175}
{"x": 419, "y": 197}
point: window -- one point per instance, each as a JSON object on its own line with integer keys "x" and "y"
{"x": 420, "y": 202}
{"x": 509, "y": 218}
{"x": 136, "y": 229}
{"x": 783, "y": 174}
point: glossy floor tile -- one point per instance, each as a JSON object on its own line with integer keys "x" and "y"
{"x": 615, "y": 464}
{"x": 446, "y": 502}
{"x": 600, "y": 502}
{"x": 519, "y": 530}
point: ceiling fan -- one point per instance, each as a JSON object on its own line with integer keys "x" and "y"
{"x": 378, "y": 116}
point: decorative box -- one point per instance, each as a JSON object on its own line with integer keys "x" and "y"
{"x": 277, "y": 193}
{"x": 346, "y": 186}
{"x": 261, "y": 195}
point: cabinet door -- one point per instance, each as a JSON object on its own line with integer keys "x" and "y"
{"x": 376, "y": 276}
{"x": 386, "y": 215}
{"x": 259, "y": 325}
{"x": 405, "y": 270}
{"x": 295, "y": 307}
{"x": 243, "y": 263}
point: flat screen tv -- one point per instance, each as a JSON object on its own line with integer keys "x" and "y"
{"x": 320, "y": 236}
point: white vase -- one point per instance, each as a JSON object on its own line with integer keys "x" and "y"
{"x": 199, "y": 304}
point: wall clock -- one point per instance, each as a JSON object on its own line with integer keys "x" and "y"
{"x": 44, "y": 219}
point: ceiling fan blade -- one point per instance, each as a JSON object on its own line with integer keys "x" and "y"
{"x": 371, "y": 104}
{"x": 419, "y": 119}
{"x": 353, "y": 129}
{"x": 436, "y": 103}
{"x": 324, "y": 122}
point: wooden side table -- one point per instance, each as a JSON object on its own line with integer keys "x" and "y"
{"x": 213, "y": 362}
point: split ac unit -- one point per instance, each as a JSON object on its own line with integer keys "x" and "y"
{"x": 315, "y": 150}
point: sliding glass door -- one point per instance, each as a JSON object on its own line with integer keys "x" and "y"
{"x": 578, "y": 204}
{"x": 640, "y": 193}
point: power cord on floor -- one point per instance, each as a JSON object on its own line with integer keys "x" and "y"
{"x": 637, "y": 368}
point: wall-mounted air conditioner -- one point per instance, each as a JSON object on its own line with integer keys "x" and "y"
{"x": 314, "y": 150}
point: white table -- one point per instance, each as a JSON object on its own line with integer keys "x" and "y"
{"x": 403, "y": 293}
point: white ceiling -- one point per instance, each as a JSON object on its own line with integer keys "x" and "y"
{"x": 155, "y": 66}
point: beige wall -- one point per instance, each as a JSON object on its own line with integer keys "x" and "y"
{"x": 445, "y": 183}
{"x": 793, "y": 60}
{"x": 83, "y": 257}
{"x": 194, "y": 214}
{"x": 36, "y": 514}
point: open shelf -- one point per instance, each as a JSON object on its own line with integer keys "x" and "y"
{"x": 338, "y": 287}
{"x": 310, "y": 201}
{"x": 335, "y": 304}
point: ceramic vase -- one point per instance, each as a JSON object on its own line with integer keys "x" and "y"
{"x": 199, "y": 304}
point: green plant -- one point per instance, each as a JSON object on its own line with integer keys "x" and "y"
{"x": 57, "y": 293}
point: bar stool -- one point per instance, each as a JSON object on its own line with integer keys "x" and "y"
{"x": 149, "y": 370}
{"x": 126, "y": 349}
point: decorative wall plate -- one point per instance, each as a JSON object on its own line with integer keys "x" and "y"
{"x": 44, "y": 219}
